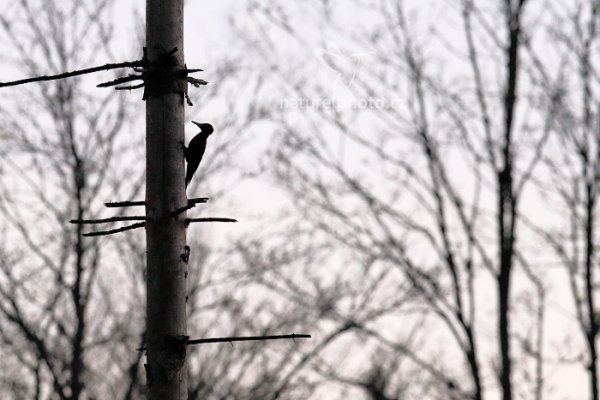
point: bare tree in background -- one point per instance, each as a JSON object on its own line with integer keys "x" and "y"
{"x": 572, "y": 179}
{"x": 428, "y": 190}
{"x": 508, "y": 187}
{"x": 62, "y": 315}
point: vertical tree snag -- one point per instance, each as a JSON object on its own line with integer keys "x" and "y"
{"x": 507, "y": 198}
{"x": 165, "y": 233}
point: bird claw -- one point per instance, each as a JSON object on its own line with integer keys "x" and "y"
{"x": 184, "y": 148}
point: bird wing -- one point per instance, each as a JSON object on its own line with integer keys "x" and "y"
{"x": 193, "y": 156}
{"x": 191, "y": 169}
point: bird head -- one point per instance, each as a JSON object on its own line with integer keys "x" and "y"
{"x": 206, "y": 129}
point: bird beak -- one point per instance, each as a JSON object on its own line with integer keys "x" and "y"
{"x": 197, "y": 124}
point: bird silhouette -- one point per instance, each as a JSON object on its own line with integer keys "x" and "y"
{"x": 195, "y": 150}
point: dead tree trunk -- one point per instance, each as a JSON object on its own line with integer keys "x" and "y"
{"x": 165, "y": 233}
{"x": 507, "y": 197}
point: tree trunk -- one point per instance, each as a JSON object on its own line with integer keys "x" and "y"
{"x": 592, "y": 326}
{"x": 507, "y": 198}
{"x": 165, "y": 234}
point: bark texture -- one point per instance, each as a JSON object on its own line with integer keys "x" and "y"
{"x": 166, "y": 269}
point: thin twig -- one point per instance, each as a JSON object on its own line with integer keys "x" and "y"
{"x": 191, "y": 204}
{"x": 141, "y": 85}
{"x": 196, "y": 82}
{"x": 107, "y": 220}
{"x": 209, "y": 219}
{"x": 128, "y": 64}
{"x": 122, "y": 229}
{"x": 198, "y": 200}
{"x": 125, "y": 203}
{"x": 293, "y": 336}
{"x": 119, "y": 81}
{"x": 231, "y": 339}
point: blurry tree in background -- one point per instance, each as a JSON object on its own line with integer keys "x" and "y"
{"x": 63, "y": 318}
{"x": 571, "y": 179}
{"x": 72, "y": 307}
{"x": 412, "y": 165}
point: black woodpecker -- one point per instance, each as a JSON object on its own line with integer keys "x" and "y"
{"x": 195, "y": 150}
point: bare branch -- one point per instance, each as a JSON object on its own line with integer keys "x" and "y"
{"x": 191, "y": 204}
{"x": 127, "y": 64}
{"x": 125, "y": 203}
{"x": 293, "y": 336}
{"x": 118, "y": 230}
{"x": 107, "y": 220}
{"x": 209, "y": 219}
